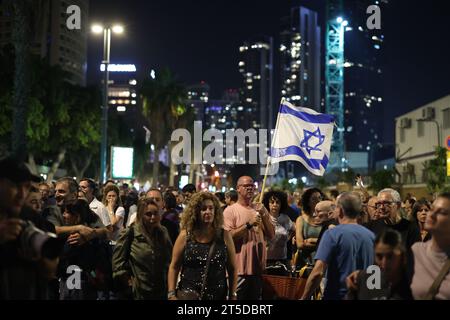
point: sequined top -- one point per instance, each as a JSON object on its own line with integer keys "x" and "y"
{"x": 194, "y": 262}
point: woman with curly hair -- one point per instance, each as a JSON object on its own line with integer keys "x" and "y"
{"x": 276, "y": 203}
{"x": 204, "y": 253}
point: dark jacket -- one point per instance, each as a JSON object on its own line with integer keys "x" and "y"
{"x": 146, "y": 261}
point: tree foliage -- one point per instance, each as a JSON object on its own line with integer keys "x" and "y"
{"x": 163, "y": 105}
{"x": 382, "y": 179}
{"x": 435, "y": 172}
{"x": 60, "y": 118}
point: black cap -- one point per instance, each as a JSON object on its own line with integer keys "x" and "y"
{"x": 16, "y": 171}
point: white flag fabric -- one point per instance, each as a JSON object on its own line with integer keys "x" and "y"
{"x": 302, "y": 135}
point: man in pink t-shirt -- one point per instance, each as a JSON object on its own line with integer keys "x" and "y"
{"x": 249, "y": 224}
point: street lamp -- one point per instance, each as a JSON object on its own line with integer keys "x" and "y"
{"x": 118, "y": 29}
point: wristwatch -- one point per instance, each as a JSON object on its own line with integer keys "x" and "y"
{"x": 249, "y": 225}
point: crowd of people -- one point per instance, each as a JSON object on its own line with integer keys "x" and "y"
{"x": 72, "y": 240}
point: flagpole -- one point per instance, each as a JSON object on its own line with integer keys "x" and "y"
{"x": 269, "y": 158}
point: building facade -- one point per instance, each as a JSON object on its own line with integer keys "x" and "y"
{"x": 198, "y": 96}
{"x": 51, "y": 38}
{"x": 256, "y": 67}
{"x": 300, "y": 58}
{"x": 417, "y": 133}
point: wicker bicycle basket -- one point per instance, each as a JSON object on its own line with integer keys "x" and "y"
{"x": 282, "y": 288}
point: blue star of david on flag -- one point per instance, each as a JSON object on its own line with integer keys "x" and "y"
{"x": 302, "y": 135}
{"x": 307, "y": 136}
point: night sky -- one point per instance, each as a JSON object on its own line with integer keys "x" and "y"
{"x": 199, "y": 40}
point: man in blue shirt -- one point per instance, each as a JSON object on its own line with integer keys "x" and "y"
{"x": 342, "y": 250}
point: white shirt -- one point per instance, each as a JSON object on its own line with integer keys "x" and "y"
{"x": 100, "y": 209}
{"x": 120, "y": 212}
{"x": 132, "y": 214}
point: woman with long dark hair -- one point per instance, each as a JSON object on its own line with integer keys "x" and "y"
{"x": 393, "y": 282}
{"x": 91, "y": 256}
{"x": 419, "y": 213}
{"x": 306, "y": 230}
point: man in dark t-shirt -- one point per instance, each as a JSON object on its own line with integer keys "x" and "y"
{"x": 388, "y": 206}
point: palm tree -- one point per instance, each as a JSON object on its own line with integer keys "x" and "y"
{"x": 163, "y": 103}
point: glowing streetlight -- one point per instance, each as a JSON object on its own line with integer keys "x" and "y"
{"x": 117, "y": 29}
{"x": 97, "y": 28}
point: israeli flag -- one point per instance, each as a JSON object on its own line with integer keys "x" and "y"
{"x": 303, "y": 135}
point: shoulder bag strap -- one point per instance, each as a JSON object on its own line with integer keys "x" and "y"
{"x": 434, "y": 289}
{"x": 205, "y": 274}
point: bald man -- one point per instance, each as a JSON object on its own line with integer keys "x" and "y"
{"x": 325, "y": 215}
{"x": 249, "y": 225}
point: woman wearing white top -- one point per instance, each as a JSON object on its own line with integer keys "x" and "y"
{"x": 116, "y": 211}
{"x": 432, "y": 258}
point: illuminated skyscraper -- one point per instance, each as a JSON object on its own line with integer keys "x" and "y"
{"x": 363, "y": 74}
{"x": 300, "y": 58}
{"x": 51, "y": 39}
{"x": 256, "y": 67}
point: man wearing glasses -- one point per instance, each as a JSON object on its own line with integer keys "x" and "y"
{"x": 388, "y": 206}
{"x": 249, "y": 225}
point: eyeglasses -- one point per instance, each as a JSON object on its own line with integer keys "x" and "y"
{"x": 384, "y": 203}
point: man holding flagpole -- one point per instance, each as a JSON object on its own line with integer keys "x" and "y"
{"x": 249, "y": 225}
